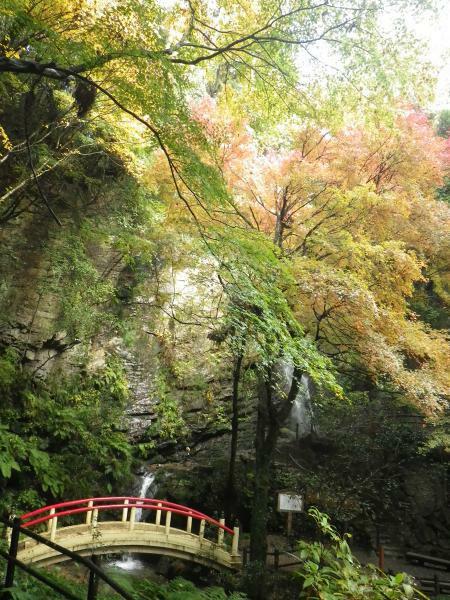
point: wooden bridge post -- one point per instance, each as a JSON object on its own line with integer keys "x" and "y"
{"x": 94, "y": 521}
{"x": 235, "y": 542}
{"x": 220, "y": 533}
{"x": 189, "y": 523}
{"x": 53, "y": 526}
{"x": 168, "y": 521}
{"x": 158, "y": 515}
{"x": 89, "y": 513}
{"x": 201, "y": 533}
{"x": 132, "y": 518}
{"x": 125, "y": 512}
{"x": 49, "y": 522}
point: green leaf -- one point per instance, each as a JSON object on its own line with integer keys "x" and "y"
{"x": 399, "y": 578}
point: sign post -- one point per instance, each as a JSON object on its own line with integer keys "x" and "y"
{"x": 289, "y": 502}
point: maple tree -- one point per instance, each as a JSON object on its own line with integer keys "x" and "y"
{"x": 356, "y": 219}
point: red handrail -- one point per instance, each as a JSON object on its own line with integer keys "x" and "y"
{"x": 138, "y": 500}
{"x": 133, "y": 502}
{"x": 138, "y": 503}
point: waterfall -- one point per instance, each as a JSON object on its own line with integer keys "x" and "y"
{"x": 146, "y": 484}
{"x": 301, "y": 415}
{"x": 127, "y": 562}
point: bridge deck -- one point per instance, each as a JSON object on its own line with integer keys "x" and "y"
{"x": 115, "y": 536}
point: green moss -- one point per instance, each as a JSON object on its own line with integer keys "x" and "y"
{"x": 170, "y": 423}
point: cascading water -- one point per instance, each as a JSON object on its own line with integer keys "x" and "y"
{"x": 127, "y": 562}
{"x": 301, "y": 413}
{"x": 301, "y": 421}
{"x": 147, "y": 482}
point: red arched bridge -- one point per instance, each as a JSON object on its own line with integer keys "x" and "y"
{"x": 170, "y": 529}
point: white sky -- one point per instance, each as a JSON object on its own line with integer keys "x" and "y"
{"x": 436, "y": 32}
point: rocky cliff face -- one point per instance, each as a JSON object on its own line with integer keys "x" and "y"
{"x": 40, "y": 280}
{"x": 29, "y": 306}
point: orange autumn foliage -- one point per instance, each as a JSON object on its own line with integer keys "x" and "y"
{"x": 356, "y": 219}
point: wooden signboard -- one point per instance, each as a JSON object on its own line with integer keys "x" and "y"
{"x": 290, "y": 502}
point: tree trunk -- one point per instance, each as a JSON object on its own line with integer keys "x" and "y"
{"x": 266, "y": 438}
{"x": 265, "y": 442}
{"x": 230, "y": 490}
{"x": 269, "y": 421}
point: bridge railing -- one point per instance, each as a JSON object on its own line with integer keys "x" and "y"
{"x": 129, "y": 505}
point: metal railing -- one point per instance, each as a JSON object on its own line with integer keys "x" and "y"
{"x": 95, "y": 572}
